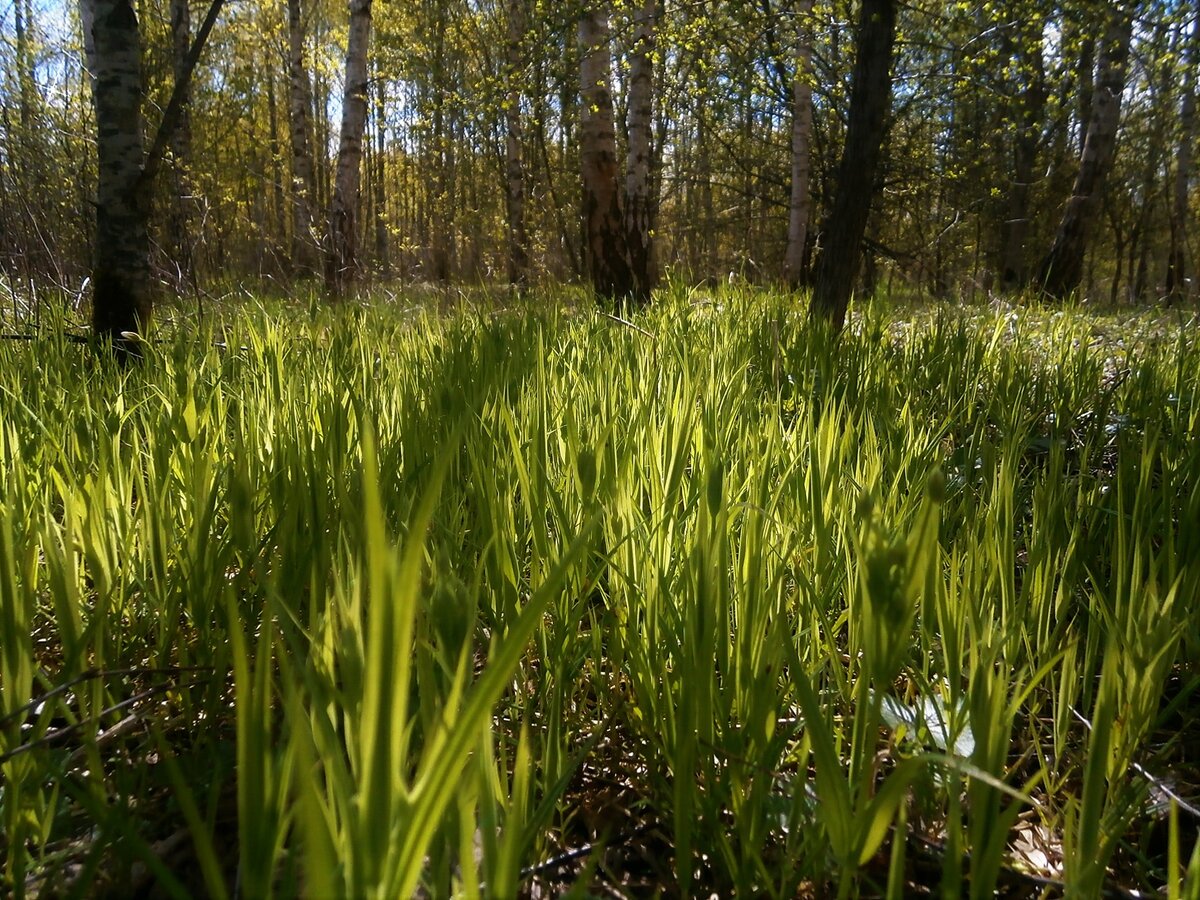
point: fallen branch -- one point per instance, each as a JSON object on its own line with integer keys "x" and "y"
{"x": 629, "y": 324}
{"x": 1156, "y": 782}
{"x": 60, "y": 734}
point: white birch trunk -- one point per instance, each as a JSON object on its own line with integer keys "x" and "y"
{"x": 121, "y": 287}
{"x": 304, "y": 242}
{"x": 603, "y": 220}
{"x": 341, "y": 263}
{"x": 1062, "y": 269}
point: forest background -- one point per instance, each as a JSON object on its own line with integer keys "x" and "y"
{"x": 471, "y": 161}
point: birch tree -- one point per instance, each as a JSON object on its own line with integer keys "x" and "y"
{"x": 304, "y": 243}
{"x": 121, "y": 297}
{"x": 1061, "y": 269}
{"x": 121, "y": 284}
{"x": 341, "y": 262}
{"x": 605, "y": 251}
{"x": 870, "y": 100}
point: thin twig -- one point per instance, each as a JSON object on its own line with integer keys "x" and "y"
{"x": 1154, "y": 780}
{"x": 67, "y": 336}
{"x": 59, "y": 734}
{"x": 629, "y": 324}
{"x": 557, "y": 862}
{"x": 129, "y": 335}
{"x": 91, "y": 675}
{"x": 170, "y": 119}
{"x": 108, "y": 735}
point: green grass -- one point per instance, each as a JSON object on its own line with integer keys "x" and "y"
{"x": 377, "y": 600}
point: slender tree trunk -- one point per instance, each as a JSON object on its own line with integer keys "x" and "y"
{"x": 514, "y": 163}
{"x": 1085, "y": 77}
{"x": 382, "y": 245}
{"x": 1119, "y": 243}
{"x": 341, "y": 262}
{"x": 178, "y": 231}
{"x": 29, "y": 168}
{"x": 870, "y": 100}
{"x": 87, "y": 21}
{"x": 749, "y": 246}
{"x": 304, "y": 242}
{"x": 639, "y": 206}
{"x": 441, "y": 216}
{"x": 26, "y": 84}
{"x": 121, "y": 287}
{"x": 606, "y": 254}
{"x": 1140, "y": 272}
{"x": 799, "y": 204}
{"x": 1062, "y": 268}
{"x": 1030, "y": 107}
{"x": 279, "y": 206}
{"x": 323, "y": 195}
{"x": 709, "y": 260}
{"x": 1176, "y": 281}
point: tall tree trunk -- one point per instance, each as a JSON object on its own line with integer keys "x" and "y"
{"x": 639, "y": 206}
{"x": 1062, "y": 268}
{"x": 341, "y": 262}
{"x": 1177, "y": 282}
{"x": 799, "y": 204}
{"x": 709, "y": 260}
{"x": 26, "y": 84}
{"x": 1085, "y": 78}
{"x": 304, "y": 242}
{"x": 29, "y": 167}
{"x": 178, "y": 232}
{"x": 322, "y": 170}
{"x": 279, "y": 206}
{"x": 870, "y": 100}
{"x": 1030, "y": 108}
{"x": 439, "y": 205}
{"x": 605, "y": 253}
{"x": 121, "y": 290}
{"x": 382, "y": 245}
{"x": 514, "y": 164}
{"x": 441, "y": 216}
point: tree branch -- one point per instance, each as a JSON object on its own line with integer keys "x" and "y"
{"x": 170, "y": 119}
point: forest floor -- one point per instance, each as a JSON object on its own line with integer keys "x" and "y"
{"x": 460, "y": 595}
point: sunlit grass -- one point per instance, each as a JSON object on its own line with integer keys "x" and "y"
{"x": 355, "y": 602}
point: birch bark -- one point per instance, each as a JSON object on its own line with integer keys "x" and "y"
{"x": 870, "y": 101}
{"x": 341, "y": 262}
{"x": 121, "y": 296}
{"x": 605, "y": 252}
{"x": 1062, "y": 268}
{"x": 304, "y": 241}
